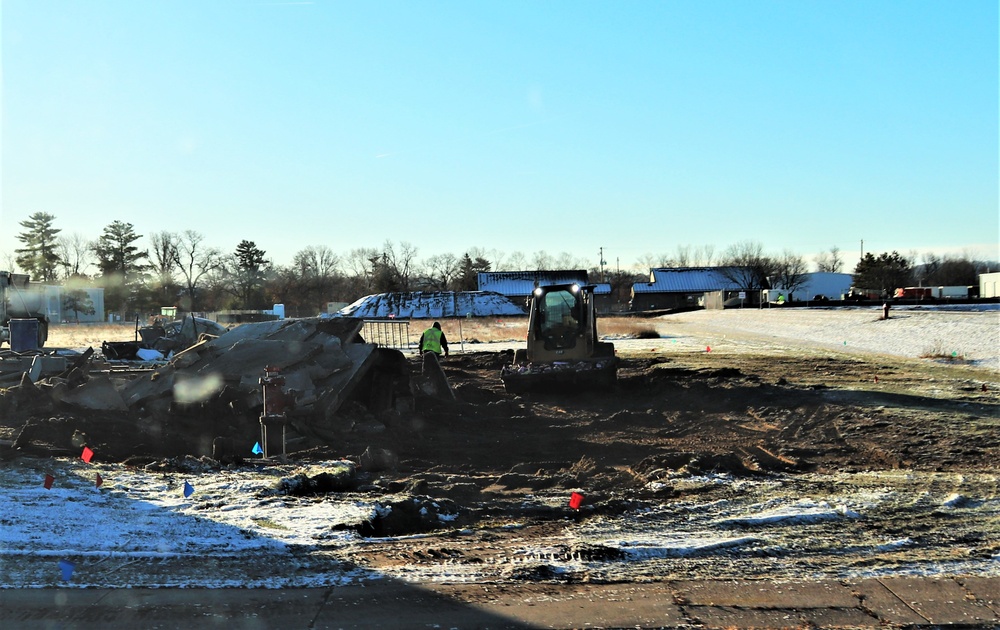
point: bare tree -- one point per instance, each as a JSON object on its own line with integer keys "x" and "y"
{"x": 311, "y": 280}
{"x": 746, "y": 266}
{"x": 499, "y": 258}
{"x": 396, "y": 266}
{"x": 316, "y": 261}
{"x": 163, "y": 264}
{"x": 790, "y": 272}
{"x": 646, "y": 262}
{"x": 565, "y": 260}
{"x": 830, "y": 262}
{"x": 541, "y": 260}
{"x": 683, "y": 258}
{"x": 360, "y": 264}
{"x": 194, "y": 261}
{"x": 703, "y": 256}
{"x": 76, "y": 253}
{"x": 441, "y": 271}
{"x": 516, "y": 261}
{"x": 164, "y": 255}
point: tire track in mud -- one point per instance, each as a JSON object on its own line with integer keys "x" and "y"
{"x": 812, "y": 526}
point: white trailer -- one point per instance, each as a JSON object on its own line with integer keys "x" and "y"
{"x": 951, "y": 293}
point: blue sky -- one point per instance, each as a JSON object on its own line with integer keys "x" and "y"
{"x": 556, "y": 126}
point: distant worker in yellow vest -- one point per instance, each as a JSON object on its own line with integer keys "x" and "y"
{"x": 433, "y": 340}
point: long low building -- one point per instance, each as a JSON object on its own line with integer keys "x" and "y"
{"x": 518, "y": 285}
{"x": 686, "y": 287}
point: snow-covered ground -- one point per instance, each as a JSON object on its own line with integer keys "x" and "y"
{"x": 961, "y": 335}
{"x": 227, "y": 528}
{"x": 956, "y": 333}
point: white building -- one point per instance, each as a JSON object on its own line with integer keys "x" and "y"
{"x": 831, "y": 286}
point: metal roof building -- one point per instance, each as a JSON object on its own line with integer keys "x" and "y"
{"x": 522, "y": 283}
{"x": 681, "y": 287}
{"x": 518, "y": 285}
{"x": 685, "y": 280}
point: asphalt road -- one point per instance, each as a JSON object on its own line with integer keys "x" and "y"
{"x": 911, "y": 602}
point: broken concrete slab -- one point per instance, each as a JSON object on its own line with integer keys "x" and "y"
{"x": 337, "y": 389}
{"x": 99, "y": 393}
{"x": 432, "y": 381}
{"x": 45, "y": 366}
{"x": 250, "y": 356}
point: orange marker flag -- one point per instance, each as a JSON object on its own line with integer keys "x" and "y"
{"x": 87, "y": 454}
{"x": 49, "y": 480}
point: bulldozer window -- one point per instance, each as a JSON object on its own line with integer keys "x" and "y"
{"x": 559, "y": 321}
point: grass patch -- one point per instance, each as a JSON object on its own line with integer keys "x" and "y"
{"x": 937, "y": 352}
{"x": 267, "y": 523}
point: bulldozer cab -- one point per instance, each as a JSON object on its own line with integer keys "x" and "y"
{"x": 561, "y": 323}
{"x": 563, "y": 352}
{"x": 559, "y": 318}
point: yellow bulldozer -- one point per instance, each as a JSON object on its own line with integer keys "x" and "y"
{"x": 563, "y": 351}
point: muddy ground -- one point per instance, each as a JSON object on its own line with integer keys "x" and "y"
{"x": 651, "y": 454}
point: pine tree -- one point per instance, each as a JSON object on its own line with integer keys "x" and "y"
{"x": 122, "y": 265}
{"x": 885, "y": 272}
{"x": 250, "y": 263}
{"x": 39, "y": 256}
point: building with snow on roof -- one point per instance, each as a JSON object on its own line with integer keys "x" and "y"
{"x": 518, "y": 285}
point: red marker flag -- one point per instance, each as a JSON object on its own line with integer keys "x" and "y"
{"x": 87, "y": 454}
{"x": 49, "y": 479}
{"x": 575, "y": 500}
{"x": 98, "y": 481}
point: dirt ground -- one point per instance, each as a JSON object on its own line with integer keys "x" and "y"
{"x": 807, "y": 425}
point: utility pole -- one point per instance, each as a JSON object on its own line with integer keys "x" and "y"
{"x": 603, "y": 262}
{"x": 862, "y": 249}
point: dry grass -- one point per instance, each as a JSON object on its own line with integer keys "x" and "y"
{"x": 478, "y": 329}
{"x": 489, "y": 329}
{"x": 88, "y": 335}
{"x": 937, "y": 352}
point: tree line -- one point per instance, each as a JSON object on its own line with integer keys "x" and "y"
{"x": 181, "y": 269}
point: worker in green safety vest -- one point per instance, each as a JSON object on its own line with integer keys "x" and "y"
{"x": 433, "y": 340}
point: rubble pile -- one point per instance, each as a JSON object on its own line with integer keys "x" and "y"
{"x": 207, "y": 399}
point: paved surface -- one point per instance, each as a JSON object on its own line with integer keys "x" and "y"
{"x": 899, "y": 602}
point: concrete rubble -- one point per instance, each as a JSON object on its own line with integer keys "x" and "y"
{"x": 211, "y": 391}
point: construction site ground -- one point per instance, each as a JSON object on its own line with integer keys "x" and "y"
{"x": 726, "y": 482}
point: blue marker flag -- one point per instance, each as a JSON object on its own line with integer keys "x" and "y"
{"x": 67, "y": 569}
{"x": 257, "y": 450}
{"x": 188, "y": 489}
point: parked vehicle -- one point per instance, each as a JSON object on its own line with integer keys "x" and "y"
{"x": 914, "y": 293}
